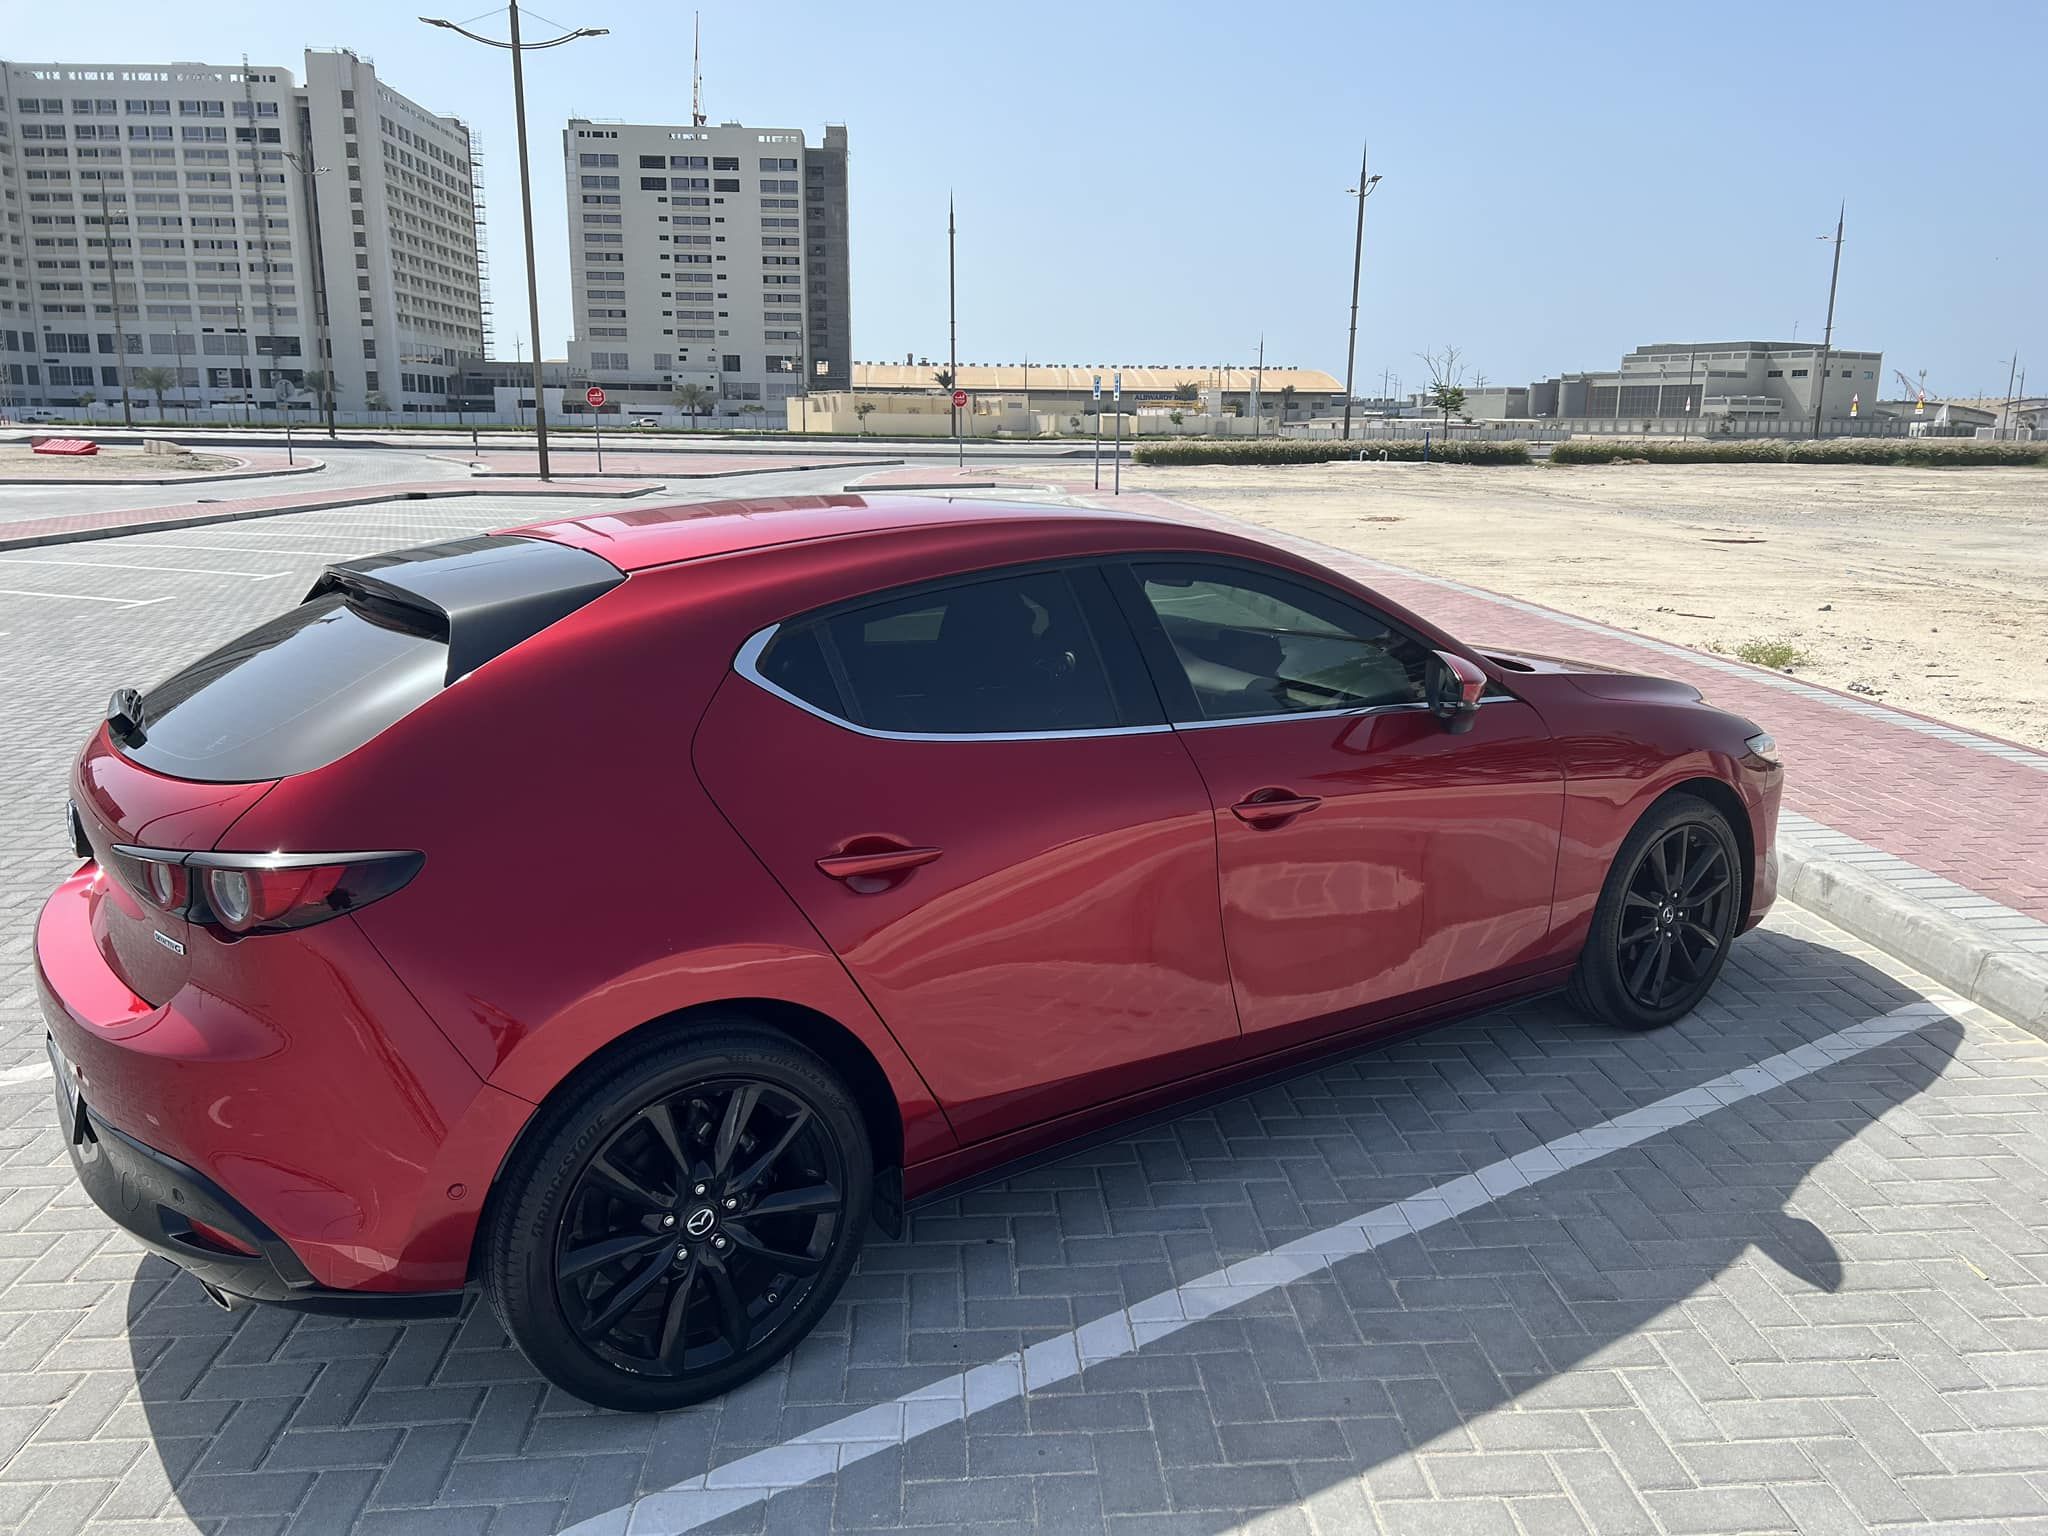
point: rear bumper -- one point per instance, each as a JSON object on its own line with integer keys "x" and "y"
{"x": 157, "y": 1199}
{"x": 290, "y": 1095}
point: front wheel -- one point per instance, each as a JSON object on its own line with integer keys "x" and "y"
{"x": 681, "y": 1219}
{"x": 1666, "y": 917}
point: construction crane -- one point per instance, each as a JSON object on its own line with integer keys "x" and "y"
{"x": 1913, "y": 392}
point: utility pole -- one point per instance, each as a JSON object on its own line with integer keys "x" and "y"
{"x": 2005, "y": 422}
{"x": 1258, "y": 379}
{"x": 1362, "y": 191}
{"x": 1820, "y": 388}
{"x": 518, "y": 51}
{"x": 260, "y": 244}
{"x": 953, "y": 330}
{"x": 120, "y": 331}
{"x": 302, "y": 162}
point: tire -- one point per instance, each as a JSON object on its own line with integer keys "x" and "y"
{"x": 1701, "y": 865}
{"x": 597, "y": 1204}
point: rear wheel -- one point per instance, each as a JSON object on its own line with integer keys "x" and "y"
{"x": 1665, "y": 919}
{"x": 682, "y": 1219}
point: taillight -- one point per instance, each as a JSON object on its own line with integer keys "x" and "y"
{"x": 264, "y": 893}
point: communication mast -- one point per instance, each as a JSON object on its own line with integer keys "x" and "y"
{"x": 697, "y": 69}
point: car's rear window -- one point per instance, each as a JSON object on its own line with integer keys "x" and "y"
{"x": 292, "y": 694}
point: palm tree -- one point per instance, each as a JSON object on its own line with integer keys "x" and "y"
{"x": 943, "y": 377}
{"x": 695, "y": 399}
{"x": 375, "y": 401}
{"x": 1187, "y": 391}
{"x": 158, "y": 382}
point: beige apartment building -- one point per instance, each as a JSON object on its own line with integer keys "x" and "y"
{"x": 216, "y": 207}
{"x": 705, "y": 255}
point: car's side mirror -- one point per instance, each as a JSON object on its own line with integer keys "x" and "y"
{"x": 1454, "y": 688}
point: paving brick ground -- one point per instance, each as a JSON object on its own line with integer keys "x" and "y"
{"x": 1823, "y": 1307}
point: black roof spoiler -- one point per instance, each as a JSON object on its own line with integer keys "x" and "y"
{"x": 484, "y": 594}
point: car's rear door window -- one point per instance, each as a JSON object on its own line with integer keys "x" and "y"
{"x": 293, "y": 694}
{"x": 1009, "y": 655}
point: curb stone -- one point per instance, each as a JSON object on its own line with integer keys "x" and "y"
{"x": 2002, "y": 977}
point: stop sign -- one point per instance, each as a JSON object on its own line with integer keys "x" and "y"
{"x": 595, "y": 396}
{"x": 959, "y": 397}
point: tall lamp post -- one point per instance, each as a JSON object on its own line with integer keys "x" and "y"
{"x": 1362, "y": 191}
{"x": 1827, "y": 340}
{"x": 303, "y": 164}
{"x": 114, "y": 291}
{"x": 517, "y": 48}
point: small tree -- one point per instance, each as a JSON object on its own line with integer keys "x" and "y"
{"x": 1187, "y": 391}
{"x": 1286, "y": 401}
{"x": 695, "y": 400}
{"x": 86, "y": 400}
{"x": 375, "y": 401}
{"x": 158, "y": 382}
{"x": 943, "y": 377}
{"x": 864, "y": 409}
{"x": 1446, "y": 383}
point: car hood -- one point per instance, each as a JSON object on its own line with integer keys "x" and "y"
{"x": 1590, "y": 677}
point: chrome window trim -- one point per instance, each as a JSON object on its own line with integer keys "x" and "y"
{"x": 1323, "y": 714}
{"x": 748, "y": 665}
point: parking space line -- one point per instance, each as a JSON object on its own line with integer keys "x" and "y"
{"x": 759, "y": 1475}
{"x": 27, "y": 1074}
{"x": 86, "y": 597}
{"x": 169, "y": 570}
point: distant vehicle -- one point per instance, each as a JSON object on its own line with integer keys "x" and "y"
{"x": 647, "y": 421}
{"x": 764, "y": 864}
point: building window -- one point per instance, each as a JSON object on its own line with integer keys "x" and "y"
{"x": 1774, "y": 373}
{"x": 726, "y": 163}
{"x": 725, "y": 184}
{"x": 1798, "y": 373}
{"x": 731, "y": 362}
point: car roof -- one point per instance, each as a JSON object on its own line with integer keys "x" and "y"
{"x": 637, "y": 538}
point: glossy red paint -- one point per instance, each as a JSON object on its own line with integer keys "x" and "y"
{"x": 619, "y": 831}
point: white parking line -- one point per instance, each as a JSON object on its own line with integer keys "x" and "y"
{"x": 27, "y": 1074}
{"x": 756, "y": 1477}
{"x": 86, "y": 597}
{"x": 174, "y": 570}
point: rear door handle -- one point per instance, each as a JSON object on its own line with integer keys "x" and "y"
{"x": 874, "y": 867}
{"x": 1265, "y": 807}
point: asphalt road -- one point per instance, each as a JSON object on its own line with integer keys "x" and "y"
{"x": 1783, "y": 1266}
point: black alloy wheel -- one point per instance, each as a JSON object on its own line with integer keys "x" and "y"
{"x": 1675, "y": 915}
{"x": 699, "y": 1226}
{"x": 1666, "y": 917}
{"x": 680, "y": 1217}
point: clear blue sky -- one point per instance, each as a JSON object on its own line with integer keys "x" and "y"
{"x": 1159, "y": 182}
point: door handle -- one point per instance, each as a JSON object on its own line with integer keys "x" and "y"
{"x": 1269, "y": 807}
{"x": 870, "y": 870}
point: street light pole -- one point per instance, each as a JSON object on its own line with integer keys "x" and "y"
{"x": 1362, "y": 191}
{"x": 303, "y": 164}
{"x": 953, "y": 335}
{"x": 1827, "y": 340}
{"x": 114, "y": 292}
{"x": 518, "y": 49}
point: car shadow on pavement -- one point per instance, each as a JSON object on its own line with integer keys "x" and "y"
{"x": 1664, "y": 1261}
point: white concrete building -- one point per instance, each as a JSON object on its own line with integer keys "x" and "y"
{"x": 185, "y": 176}
{"x": 713, "y": 256}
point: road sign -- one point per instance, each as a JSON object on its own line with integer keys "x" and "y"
{"x": 1116, "y": 386}
{"x": 959, "y": 398}
{"x": 595, "y": 396}
{"x": 1098, "y": 386}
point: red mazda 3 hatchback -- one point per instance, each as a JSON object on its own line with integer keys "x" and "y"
{"x": 622, "y": 913}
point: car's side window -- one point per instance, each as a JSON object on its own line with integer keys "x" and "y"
{"x": 1005, "y": 655}
{"x": 1252, "y": 644}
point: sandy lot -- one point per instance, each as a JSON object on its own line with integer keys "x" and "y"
{"x": 1927, "y": 589}
{"x": 19, "y": 462}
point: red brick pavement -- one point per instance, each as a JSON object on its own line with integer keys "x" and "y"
{"x": 74, "y": 527}
{"x": 1962, "y": 804}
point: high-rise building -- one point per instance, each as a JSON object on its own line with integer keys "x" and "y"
{"x": 199, "y": 215}
{"x": 713, "y": 256}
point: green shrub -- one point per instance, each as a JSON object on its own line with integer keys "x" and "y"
{"x": 1938, "y": 453}
{"x": 1294, "y": 450}
{"x": 1779, "y": 655}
